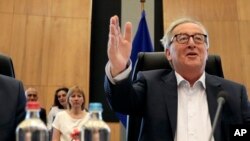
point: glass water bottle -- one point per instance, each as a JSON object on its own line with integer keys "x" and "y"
{"x": 32, "y": 128}
{"x": 95, "y": 128}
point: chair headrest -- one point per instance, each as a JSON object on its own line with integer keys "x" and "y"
{"x": 158, "y": 60}
{"x": 6, "y": 66}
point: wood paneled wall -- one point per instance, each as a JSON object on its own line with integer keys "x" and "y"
{"x": 228, "y": 24}
{"x": 49, "y": 42}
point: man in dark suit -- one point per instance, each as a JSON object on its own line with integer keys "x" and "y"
{"x": 32, "y": 95}
{"x": 12, "y": 107}
{"x": 175, "y": 106}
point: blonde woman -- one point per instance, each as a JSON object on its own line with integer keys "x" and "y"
{"x": 72, "y": 119}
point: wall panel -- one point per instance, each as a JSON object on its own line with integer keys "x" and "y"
{"x": 244, "y": 28}
{"x": 203, "y": 10}
{"x": 115, "y": 131}
{"x": 6, "y": 6}
{"x": 6, "y": 20}
{"x": 243, "y": 7}
{"x": 226, "y": 44}
{"x": 32, "y": 57}
{"x": 32, "y": 7}
{"x": 18, "y": 44}
{"x": 67, "y": 8}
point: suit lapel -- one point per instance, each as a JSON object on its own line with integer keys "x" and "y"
{"x": 170, "y": 94}
{"x": 213, "y": 87}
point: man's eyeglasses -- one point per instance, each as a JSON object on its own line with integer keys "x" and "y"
{"x": 183, "y": 38}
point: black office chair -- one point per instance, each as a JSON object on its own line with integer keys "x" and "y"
{"x": 157, "y": 60}
{"x": 6, "y": 66}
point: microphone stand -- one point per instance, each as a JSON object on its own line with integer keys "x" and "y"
{"x": 221, "y": 101}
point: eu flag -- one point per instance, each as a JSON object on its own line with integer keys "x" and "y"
{"x": 141, "y": 43}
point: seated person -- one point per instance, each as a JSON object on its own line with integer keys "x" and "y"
{"x": 72, "y": 119}
{"x": 32, "y": 95}
{"x": 60, "y": 104}
{"x": 175, "y": 106}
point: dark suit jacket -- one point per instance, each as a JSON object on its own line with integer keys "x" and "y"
{"x": 43, "y": 115}
{"x": 12, "y": 107}
{"x": 154, "y": 97}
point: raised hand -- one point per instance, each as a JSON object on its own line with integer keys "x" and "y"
{"x": 119, "y": 46}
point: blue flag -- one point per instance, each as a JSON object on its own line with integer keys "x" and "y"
{"x": 141, "y": 43}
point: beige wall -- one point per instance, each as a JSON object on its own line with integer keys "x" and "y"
{"x": 228, "y": 24}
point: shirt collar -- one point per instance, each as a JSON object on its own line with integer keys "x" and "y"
{"x": 181, "y": 79}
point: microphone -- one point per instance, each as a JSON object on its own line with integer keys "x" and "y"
{"x": 221, "y": 99}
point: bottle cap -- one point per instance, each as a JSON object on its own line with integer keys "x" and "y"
{"x": 95, "y": 106}
{"x": 32, "y": 105}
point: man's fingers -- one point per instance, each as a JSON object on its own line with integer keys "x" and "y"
{"x": 113, "y": 33}
{"x": 117, "y": 23}
{"x": 114, "y": 25}
{"x": 128, "y": 32}
{"x": 111, "y": 53}
{"x": 112, "y": 43}
{"x": 114, "y": 19}
{"x": 112, "y": 30}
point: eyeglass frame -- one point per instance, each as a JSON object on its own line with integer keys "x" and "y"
{"x": 175, "y": 36}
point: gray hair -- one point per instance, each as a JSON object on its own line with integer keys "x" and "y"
{"x": 169, "y": 35}
{"x": 30, "y": 89}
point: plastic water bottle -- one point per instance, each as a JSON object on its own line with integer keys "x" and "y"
{"x": 95, "y": 128}
{"x": 32, "y": 128}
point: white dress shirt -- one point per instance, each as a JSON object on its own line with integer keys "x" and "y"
{"x": 193, "y": 120}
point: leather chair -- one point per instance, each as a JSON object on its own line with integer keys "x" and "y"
{"x": 6, "y": 66}
{"x": 157, "y": 60}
